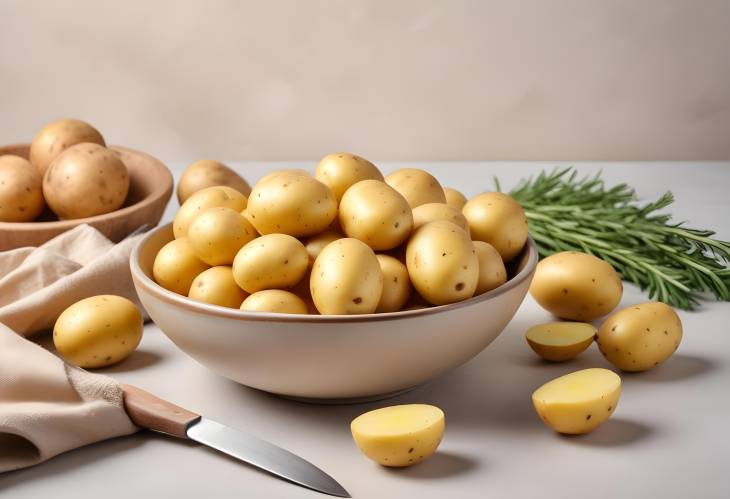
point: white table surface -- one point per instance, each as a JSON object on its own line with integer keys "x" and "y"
{"x": 669, "y": 437}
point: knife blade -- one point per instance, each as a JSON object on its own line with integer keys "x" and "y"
{"x": 155, "y": 414}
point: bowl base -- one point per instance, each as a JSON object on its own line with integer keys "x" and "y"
{"x": 347, "y": 401}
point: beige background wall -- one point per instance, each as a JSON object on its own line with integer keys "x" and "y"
{"x": 405, "y": 80}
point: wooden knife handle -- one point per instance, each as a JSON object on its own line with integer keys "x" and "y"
{"x": 153, "y": 413}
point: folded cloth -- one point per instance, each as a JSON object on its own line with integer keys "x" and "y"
{"x": 48, "y": 407}
{"x": 37, "y": 284}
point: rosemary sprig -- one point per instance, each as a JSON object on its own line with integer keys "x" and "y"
{"x": 675, "y": 264}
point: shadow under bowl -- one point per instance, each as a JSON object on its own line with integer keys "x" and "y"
{"x": 150, "y": 188}
{"x": 329, "y": 357}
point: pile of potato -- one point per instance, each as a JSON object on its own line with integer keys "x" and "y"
{"x": 345, "y": 240}
{"x": 70, "y": 170}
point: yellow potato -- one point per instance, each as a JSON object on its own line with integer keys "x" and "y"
{"x": 400, "y": 435}
{"x": 376, "y": 214}
{"x": 176, "y": 266}
{"x": 21, "y": 190}
{"x": 492, "y": 273}
{"x": 346, "y": 278}
{"x": 417, "y": 186}
{"x": 560, "y": 341}
{"x": 430, "y": 212}
{"x": 209, "y": 173}
{"x": 578, "y": 402}
{"x": 217, "y": 234}
{"x": 217, "y": 287}
{"x": 209, "y": 197}
{"x": 640, "y": 337}
{"x": 98, "y": 331}
{"x": 272, "y": 261}
{"x": 442, "y": 263}
{"x": 454, "y": 198}
{"x": 576, "y": 286}
{"x": 276, "y": 301}
{"x": 341, "y": 170}
{"x": 291, "y": 202}
{"x": 85, "y": 180}
{"x": 315, "y": 244}
{"x": 396, "y": 284}
{"x": 56, "y": 137}
{"x": 499, "y": 220}
{"x": 301, "y": 289}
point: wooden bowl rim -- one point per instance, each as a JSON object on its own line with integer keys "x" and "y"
{"x": 155, "y": 195}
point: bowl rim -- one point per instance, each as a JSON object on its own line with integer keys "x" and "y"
{"x": 158, "y": 192}
{"x": 142, "y": 280}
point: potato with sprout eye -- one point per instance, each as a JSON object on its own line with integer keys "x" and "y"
{"x": 417, "y": 186}
{"x": 291, "y": 202}
{"x": 376, "y": 214}
{"x": 210, "y": 197}
{"x": 442, "y": 263}
{"x": 56, "y": 137}
{"x": 342, "y": 170}
{"x": 85, "y": 180}
{"x": 217, "y": 287}
{"x": 346, "y": 278}
{"x": 272, "y": 261}
{"x": 499, "y": 220}
{"x": 21, "y": 190}
{"x": 209, "y": 173}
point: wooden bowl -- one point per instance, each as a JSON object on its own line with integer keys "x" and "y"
{"x": 150, "y": 189}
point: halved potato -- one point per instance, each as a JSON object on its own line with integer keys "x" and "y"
{"x": 578, "y": 402}
{"x": 400, "y": 435}
{"x": 559, "y": 341}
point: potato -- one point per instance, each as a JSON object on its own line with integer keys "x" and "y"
{"x": 276, "y": 301}
{"x": 400, "y": 435}
{"x": 396, "y": 284}
{"x": 492, "y": 273}
{"x": 209, "y": 173}
{"x": 376, "y": 214}
{"x": 209, "y": 197}
{"x": 85, "y": 180}
{"x": 454, "y": 198}
{"x": 560, "y": 341}
{"x": 56, "y": 137}
{"x": 176, "y": 266}
{"x": 217, "y": 287}
{"x": 442, "y": 263}
{"x": 640, "y": 337}
{"x": 346, "y": 278}
{"x": 578, "y": 402}
{"x": 217, "y": 234}
{"x": 341, "y": 170}
{"x": 499, "y": 220}
{"x": 21, "y": 190}
{"x": 315, "y": 244}
{"x": 272, "y": 261}
{"x": 302, "y": 290}
{"x": 430, "y": 212}
{"x": 576, "y": 286}
{"x": 98, "y": 331}
{"x": 291, "y": 202}
{"x": 417, "y": 186}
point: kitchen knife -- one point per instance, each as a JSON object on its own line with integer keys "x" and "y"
{"x": 155, "y": 414}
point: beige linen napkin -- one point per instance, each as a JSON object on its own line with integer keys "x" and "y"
{"x": 46, "y": 406}
{"x": 37, "y": 284}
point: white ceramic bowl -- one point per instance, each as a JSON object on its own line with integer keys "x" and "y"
{"x": 336, "y": 358}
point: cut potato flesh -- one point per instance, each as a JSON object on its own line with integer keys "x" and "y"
{"x": 578, "y": 402}
{"x": 400, "y": 435}
{"x": 559, "y": 341}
